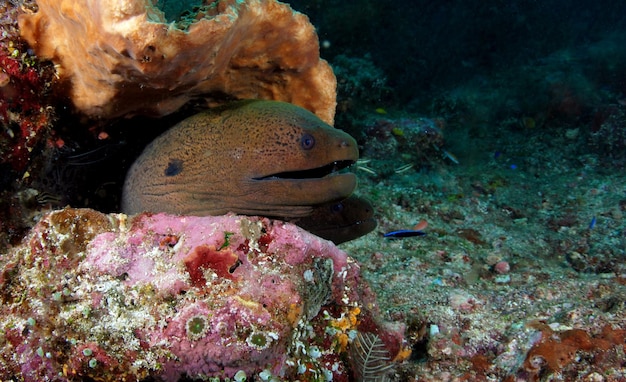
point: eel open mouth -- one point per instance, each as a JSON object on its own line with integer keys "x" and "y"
{"x": 313, "y": 173}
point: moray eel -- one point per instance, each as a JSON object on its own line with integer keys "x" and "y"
{"x": 255, "y": 157}
{"x": 340, "y": 221}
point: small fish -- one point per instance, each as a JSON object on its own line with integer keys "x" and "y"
{"x": 593, "y": 223}
{"x": 403, "y": 168}
{"x": 404, "y": 233}
{"x": 450, "y": 156}
{"x": 421, "y": 225}
{"x": 527, "y": 123}
{"x": 398, "y": 132}
{"x": 446, "y": 154}
{"x": 381, "y": 110}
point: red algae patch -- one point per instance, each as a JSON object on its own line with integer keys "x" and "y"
{"x": 556, "y": 351}
{"x": 204, "y": 257}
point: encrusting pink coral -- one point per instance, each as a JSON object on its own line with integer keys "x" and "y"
{"x": 121, "y": 58}
{"x": 112, "y": 298}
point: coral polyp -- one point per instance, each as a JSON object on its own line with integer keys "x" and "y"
{"x": 260, "y": 340}
{"x": 196, "y": 327}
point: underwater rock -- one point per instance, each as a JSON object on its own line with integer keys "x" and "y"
{"x": 417, "y": 142}
{"x": 607, "y": 137}
{"x": 121, "y": 57}
{"x": 112, "y": 297}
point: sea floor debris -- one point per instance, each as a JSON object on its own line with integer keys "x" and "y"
{"x": 522, "y": 274}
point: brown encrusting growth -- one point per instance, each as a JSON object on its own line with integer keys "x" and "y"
{"x": 120, "y": 58}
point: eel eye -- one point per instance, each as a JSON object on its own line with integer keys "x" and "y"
{"x": 337, "y": 208}
{"x": 174, "y": 167}
{"x": 307, "y": 141}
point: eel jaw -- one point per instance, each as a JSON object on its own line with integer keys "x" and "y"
{"x": 313, "y": 173}
{"x": 294, "y": 193}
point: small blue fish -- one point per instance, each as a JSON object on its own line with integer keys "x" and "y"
{"x": 593, "y": 223}
{"x": 404, "y": 233}
{"x": 449, "y": 155}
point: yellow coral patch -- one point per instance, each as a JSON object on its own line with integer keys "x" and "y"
{"x": 403, "y": 354}
{"x": 294, "y": 314}
{"x": 342, "y": 342}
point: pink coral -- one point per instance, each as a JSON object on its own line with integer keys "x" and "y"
{"x": 502, "y": 267}
{"x": 163, "y": 296}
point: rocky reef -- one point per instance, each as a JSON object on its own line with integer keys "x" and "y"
{"x": 112, "y": 297}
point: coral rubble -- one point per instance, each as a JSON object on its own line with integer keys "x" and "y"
{"x": 112, "y": 297}
{"x": 122, "y": 58}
